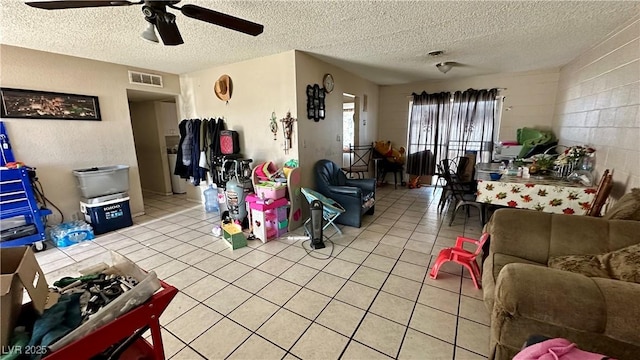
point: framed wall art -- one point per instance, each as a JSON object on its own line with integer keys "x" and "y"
{"x": 32, "y": 104}
{"x": 315, "y": 102}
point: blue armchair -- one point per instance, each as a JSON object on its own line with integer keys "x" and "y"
{"x": 357, "y": 196}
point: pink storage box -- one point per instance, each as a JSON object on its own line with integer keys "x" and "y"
{"x": 271, "y": 190}
{"x": 261, "y": 206}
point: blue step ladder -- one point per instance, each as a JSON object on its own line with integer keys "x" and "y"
{"x": 17, "y": 197}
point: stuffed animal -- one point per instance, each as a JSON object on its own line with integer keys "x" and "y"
{"x": 392, "y": 154}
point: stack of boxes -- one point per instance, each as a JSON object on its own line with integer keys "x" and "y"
{"x": 269, "y": 210}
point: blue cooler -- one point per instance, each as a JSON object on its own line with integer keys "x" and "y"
{"x": 107, "y": 213}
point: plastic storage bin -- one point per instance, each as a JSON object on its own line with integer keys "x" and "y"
{"x": 98, "y": 181}
{"x": 271, "y": 190}
{"x": 107, "y": 213}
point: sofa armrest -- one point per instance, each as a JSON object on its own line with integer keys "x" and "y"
{"x": 550, "y": 296}
{"x": 367, "y": 185}
{"x": 569, "y": 300}
{"x": 351, "y": 191}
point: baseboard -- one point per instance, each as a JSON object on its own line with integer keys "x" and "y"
{"x": 156, "y": 192}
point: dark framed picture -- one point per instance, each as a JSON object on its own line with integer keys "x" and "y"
{"x": 32, "y": 104}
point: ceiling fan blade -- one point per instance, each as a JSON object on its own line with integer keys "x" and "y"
{"x": 224, "y": 20}
{"x": 168, "y": 29}
{"x": 56, "y": 5}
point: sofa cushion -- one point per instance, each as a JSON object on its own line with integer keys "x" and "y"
{"x": 627, "y": 208}
{"x": 588, "y": 265}
{"x": 621, "y": 264}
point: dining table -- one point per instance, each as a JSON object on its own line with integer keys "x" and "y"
{"x": 542, "y": 193}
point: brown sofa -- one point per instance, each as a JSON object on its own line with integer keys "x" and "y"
{"x": 527, "y": 298}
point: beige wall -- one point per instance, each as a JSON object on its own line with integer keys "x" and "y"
{"x": 260, "y": 86}
{"x": 278, "y": 83}
{"x": 319, "y": 140}
{"x": 150, "y": 146}
{"x": 529, "y": 101}
{"x": 598, "y": 104}
{"x": 56, "y": 147}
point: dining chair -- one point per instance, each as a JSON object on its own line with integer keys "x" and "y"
{"x": 464, "y": 195}
{"x": 602, "y": 194}
{"x": 463, "y": 257}
{"x": 359, "y": 159}
{"x": 446, "y": 164}
{"x": 450, "y": 167}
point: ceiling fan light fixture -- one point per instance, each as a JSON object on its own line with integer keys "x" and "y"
{"x": 150, "y": 34}
{"x": 444, "y": 67}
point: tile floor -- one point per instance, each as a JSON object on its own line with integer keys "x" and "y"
{"x": 368, "y": 297}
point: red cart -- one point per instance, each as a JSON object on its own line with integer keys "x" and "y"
{"x": 147, "y": 314}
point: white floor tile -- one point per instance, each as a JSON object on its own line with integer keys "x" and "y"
{"x": 371, "y": 284}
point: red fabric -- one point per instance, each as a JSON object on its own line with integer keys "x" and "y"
{"x": 226, "y": 144}
{"x": 556, "y": 349}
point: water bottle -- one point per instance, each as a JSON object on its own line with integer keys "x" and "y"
{"x": 211, "y": 199}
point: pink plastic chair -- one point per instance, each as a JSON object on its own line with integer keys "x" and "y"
{"x": 462, "y": 257}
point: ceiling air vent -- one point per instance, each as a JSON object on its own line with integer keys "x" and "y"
{"x": 145, "y": 79}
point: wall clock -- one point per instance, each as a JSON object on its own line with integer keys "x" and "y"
{"x": 327, "y": 82}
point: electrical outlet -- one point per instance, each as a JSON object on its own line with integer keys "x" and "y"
{"x": 74, "y": 216}
{"x": 337, "y": 137}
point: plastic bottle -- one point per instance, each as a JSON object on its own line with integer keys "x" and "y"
{"x": 211, "y": 199}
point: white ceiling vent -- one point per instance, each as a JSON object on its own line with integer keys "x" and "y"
{"x": 145, "y": 79}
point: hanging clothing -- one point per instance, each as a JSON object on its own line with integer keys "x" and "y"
{"x": 194, "y": 172}
{"x": 187, "y": 146}
{"x": 215, "y": 127}
{"x": 181, "y": 169}
{"x": 199, "y": 149}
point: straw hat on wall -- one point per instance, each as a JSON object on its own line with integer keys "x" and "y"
{"x": 223, "y": 88}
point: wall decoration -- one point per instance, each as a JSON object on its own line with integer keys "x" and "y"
{"x": 223, "y": 88}
{"x": 315, "y": 102}
{"x": 328, "y": 83}
{"x": 287, "y": 128}
{"x": 273, "y": 125}
{"x": 30, "y": 104}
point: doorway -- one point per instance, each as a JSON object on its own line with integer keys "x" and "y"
{"x": 154, "y": 122}
{"x": 350, "y": 130}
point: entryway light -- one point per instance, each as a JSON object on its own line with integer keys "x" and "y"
{"x": 150, "y": 34}
{"x": 444, "y": 67}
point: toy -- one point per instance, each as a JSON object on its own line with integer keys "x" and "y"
{"x": 392, "y": 154}
{"x": 414, "y": 183}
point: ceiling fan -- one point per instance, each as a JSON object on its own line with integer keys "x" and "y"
{"x": 155, "y": 12}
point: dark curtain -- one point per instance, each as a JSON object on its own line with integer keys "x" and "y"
{"x": 428, "y": 132}
{"x": 472, "y": 124}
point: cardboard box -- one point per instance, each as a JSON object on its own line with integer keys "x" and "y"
{"x": 20, "y": 270}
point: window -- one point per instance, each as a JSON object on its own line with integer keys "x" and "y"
{"x": 446, "y": 126}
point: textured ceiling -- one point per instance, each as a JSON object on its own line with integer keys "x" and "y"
{"x": 384, "y": 41}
